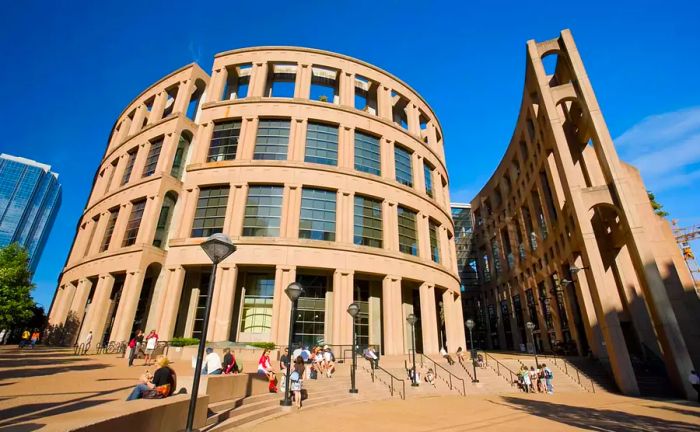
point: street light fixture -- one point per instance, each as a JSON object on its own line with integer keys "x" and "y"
{"x": 353, "y": 310}
{"x": 412, "y": 320}
{"x": 294, "y": 290}
{"x": 573, "y": 269}
{"x": 531, "y": 327}
{"x": 470, "y": 326}
{"x": 217, "y": 247}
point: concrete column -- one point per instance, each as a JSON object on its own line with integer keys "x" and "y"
{"x": 457, "y": 322}
{"x": 418, "y": 178}
{"x": 302, "y": 84}
{"x": 346, "y": 147}
{"x": 140, "y": 161}
{"x": 233, "y": 225}
{"x": 99, "y": 234}
{"x": 428, "y": 320}
{"x": 201, "y": 141}
{"x": 297, "y": 140}
{"x": 344, "y": 216}
{"x": 423, "y": 231}
{"x": 246, "y": 141}
{"x": 167, "y": 153}
{"x": 453, "y": 327}
{"x": 390, "y": 226}
{"x": 443, "y": 246}
{"x": 96, "y": 314}
{"x": 120, "y": 227}
{"x": 432, "y": 136}
{"x": 191, "y": 312}
{"x": 341, "y": 333}
{"x": 80, "y": 299}
{"x": 215, "y": 296}
{"x": 126, "y": 310}
{"x": 170, "y": 301}
{"x": 56, "y": 306}
{"x": 413, "y": 121}
{"x": 281, "y": 305}
{"x": 384, "y": 103}
{"x": 226, "y": 288}
{"x": 386, "y": 150}
{"x": 57, "y": 314}
{"x": 151, "y": 213}
{"x": 124, "y": 129}
{"x": 187, "y": 210}
{"x": 258, "y": 79}
{"x": 119, "y": 171}
{"x": 184, "y": 93}
{"x": 158, "y": 107}
{"x": 392, "y": 316}
{"x": 139, "y": 115}
{"x": 347, "y": 88}
{"x": 375, "y": 314}
{"x": 216, "y": 85}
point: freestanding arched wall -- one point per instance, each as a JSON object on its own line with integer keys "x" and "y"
{"x": 322, "y": 169}
{"x": 562, "y": 199}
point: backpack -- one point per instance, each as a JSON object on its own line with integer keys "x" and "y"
{"x": 313, "y": 374}
{"x": 548, "y": 374}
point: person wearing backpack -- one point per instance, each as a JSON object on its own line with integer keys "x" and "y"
{"x": 295, "y": 380}
{"x": 548, "y": 377}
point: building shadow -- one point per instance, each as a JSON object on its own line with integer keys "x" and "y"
{"x": 677, "y": 410}
{"x": 34, "y": 411}
{"x": 26, "y": 427}
{"x": 33, "y": 372}
{"x": 597, "y": 419}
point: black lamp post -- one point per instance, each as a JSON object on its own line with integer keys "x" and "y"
{"x": 531, "y": 327}
{"x": 217, "y": 247}
{"x": 353, "y": 310}
{"x": 470, "y": 326}
{"x": 294, "y": 290}
{"x": 412, "y": 320}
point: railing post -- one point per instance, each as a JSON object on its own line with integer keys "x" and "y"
{"x": 566, "y": 369}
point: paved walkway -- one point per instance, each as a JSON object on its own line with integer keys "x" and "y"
{"x": 36, "y": 386}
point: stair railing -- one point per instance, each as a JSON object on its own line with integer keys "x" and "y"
{"x": 389, "y": 382}
{"x": 450, "y": 375}
{"x": 570, "y": 369}
{"x": 501, "y": 367}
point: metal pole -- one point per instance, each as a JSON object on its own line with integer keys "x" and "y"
{"x": 534, "y": 347}
{"x": 413, "y": 339}
{"x": 287, "y": 401}
{"x": 471, "y": 342}
{"x": 354, "y": 358}
{"x": 200, "y": 352}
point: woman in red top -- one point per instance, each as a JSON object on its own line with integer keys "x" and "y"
{"x": 265, "y": 369}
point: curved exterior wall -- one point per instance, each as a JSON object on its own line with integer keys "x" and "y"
{"x": 126, "y": 272}
{"x": 561, "y": 198}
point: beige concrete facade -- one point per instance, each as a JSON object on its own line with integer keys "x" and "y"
{"x": 561, "y": 198}
{"x": 136, "y": 260}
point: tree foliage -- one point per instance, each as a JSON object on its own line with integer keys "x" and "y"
{"x": 658, "y": 208}
{"x": 16, "y": 303}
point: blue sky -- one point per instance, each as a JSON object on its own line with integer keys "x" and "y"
{"x": 70, "y": 69}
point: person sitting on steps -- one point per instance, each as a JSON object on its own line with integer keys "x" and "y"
{"x": 446, "y": 356}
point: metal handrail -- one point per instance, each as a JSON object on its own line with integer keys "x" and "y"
{"x": 568, "y": 365}
{"x": 499, "y": 366}
{"x": 392, "y": 378}
{"x": 450, "y": 374}
{"x": 461, "y": 363}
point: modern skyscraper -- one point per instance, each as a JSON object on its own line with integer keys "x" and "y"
{"x": 29, "y": 200}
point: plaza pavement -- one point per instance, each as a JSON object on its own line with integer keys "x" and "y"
{"x": 44, "y": 388}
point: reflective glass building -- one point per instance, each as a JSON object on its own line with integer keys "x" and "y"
{"x": 29, "y": 200}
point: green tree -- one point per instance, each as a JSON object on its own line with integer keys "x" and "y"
{"x": 16, "y": 303}
{"x": 658, "y": 208}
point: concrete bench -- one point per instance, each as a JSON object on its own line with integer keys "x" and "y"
{"x": 142, "y": 415}
{"x": 227, "y": 387}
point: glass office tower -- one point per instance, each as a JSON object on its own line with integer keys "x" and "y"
{"x": 29, "y": 200}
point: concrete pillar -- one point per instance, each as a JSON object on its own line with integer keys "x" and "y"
{"x": 342, "y": 298}
{"x": 224, "y": 312}
{"x": 192, "y": 311}
{"x": 98, "y": 236}
{"x": 246, "y": 140}
{"x": 291, "y": 206}
{"x": 202, "y": 138}
{"x": 281, "y": 305}
{"x": 413, "y": 120}
{"x": 184, "y": 93}
{"x": 386, "y": 154}
{"x": 302, "y": 84}
{"x": 136, "y": 123}
{"x": 151, "y": 213}
{"x": 423, "y": 232}
{"x": 384, "y": 102}
{"x": 390, "y": 226}
{"x": 297, "y": 140}
{"x": 345, "y": 208}
{"x": 215, "y": 296}
{"x": 95, "y": 319}
{"x": 120, "y": 227}
{"x": 392, "y": 315}
{"x": 216, "y": 85}
{"x": 186, "y": 214}
{"x": 346, "y": 88}
{"x": 80, "y": 299}
{"x": 170, "y": 301}
{"x": 417, "y": 166}
{"x": 346, "y": 148}
{"x": 167, "y": 153}
{"x": 126, "y": 310}
{"x": 140, "y": 161}
{"x": 233, "y": 225}
{"x": 454, "y": 322}
{"x": 158, "y": 107}
{"x": 258, "y": 79}
{"x": 428, "y": 319}
{"x": 375, "y": 313}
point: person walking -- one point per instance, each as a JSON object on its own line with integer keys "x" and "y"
{"x": 87, "y": 342}
{"x": 694, "y": 380}
{"x": 548, "y": 378}
{"x": 134, "y": 345}
{"x": 295, "y": 380}
{"x": 151, "y": 343}
{"x": 35, "y": 337}
{"x": 25, "y": 339}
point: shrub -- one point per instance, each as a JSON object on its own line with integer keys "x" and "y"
{"x": 264, "y": 345}
{"x": 181, "y": 342}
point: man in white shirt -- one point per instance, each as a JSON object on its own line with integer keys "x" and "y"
{"x": 212, "y": 363}
{"x": 329, "y": 364}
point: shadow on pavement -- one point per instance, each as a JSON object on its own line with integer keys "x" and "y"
{"x": 678, "y": 410}
{"x": 597, "y": 419}
{"x": 29, "y": 372}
